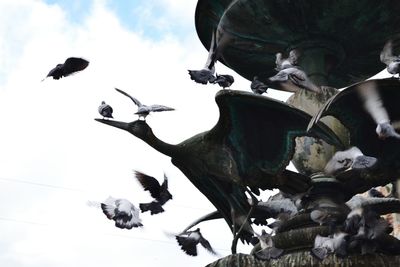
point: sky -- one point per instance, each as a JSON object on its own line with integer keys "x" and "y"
{"x": 55, "y": 157}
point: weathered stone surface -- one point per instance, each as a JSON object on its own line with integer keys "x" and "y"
{"x": 304, "y": 259}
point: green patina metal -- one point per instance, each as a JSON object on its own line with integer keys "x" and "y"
{"x": 341, "y": 41}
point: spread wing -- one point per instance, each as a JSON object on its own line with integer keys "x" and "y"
{"x": 349, "y": 107}
{"x": 204, "y": 242}
{"x": 137, "y": 103}
{"x": 74, "y": 64}
{"x": 158, "y": 108}
{"x": 149, "y": 183}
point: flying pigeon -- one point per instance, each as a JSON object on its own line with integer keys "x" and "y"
{"x": 144, "y": 110}
{"x": 392, "y": 62}
{"x": 70, "y": 66}
{"x": 224, "y": 80}
{"x": 206, "y": 74}
{"x": 122, "y": 211}
{"x": 159, "y": 192}
{"x": 374, "y": 105}
{"x": 351, "y": 158}
{"x": 257, "y": 86}
{"x": 105, "y": 110}
{"x": 188, "y": 241}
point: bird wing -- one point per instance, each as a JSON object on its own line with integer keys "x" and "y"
{"x": 137, "y": 103}
{"x": 204, "y": 242}
{"x": 386, "y": 55}
{"x": 149, "y": 183}
{"x": 212, "y": 52}
{"x": 158, "y": 108}
{"x": 74, "y": 64}
{"x": 188, "y": 245}
{"x": 348, "y": 106}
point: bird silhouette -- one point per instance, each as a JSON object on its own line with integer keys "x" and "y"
{"x": 122, "y": 211}
{"x": 105, "y": 110}
{"x": 159, "y": 192}
{"x": 144, "y": 110}
{"x": 189, "y": 240}
{"x": 387, "y": 57}
{"x": 70, "y": 66}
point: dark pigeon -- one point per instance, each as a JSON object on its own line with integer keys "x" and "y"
{"x": 105, "y": 110}
{"x": 188, "y": 242}
{"x": 70, "y": 66}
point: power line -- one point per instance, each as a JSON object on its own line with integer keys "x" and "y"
{"x": 74, "y": 189}
{"x": 11, "y": 220}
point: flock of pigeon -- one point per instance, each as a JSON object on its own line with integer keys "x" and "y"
{"x": 363, "y": 224}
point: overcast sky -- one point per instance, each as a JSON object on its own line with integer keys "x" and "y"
{"x": 54, "y": 157}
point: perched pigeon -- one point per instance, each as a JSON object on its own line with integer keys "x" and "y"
{"x": 71, "y": 65}
{"x": 105, "y": 110}
{"x": 392, "y": 62}
{"x": 144, "y": 110}
{"x": 224, "y": 80}
{"x": 268, "y": 250}
{"x": 257, "y": 86}
{"x": 290, "y": 77}
{"x": 336, "y": 243}
{"x": 123, "y": 212}
{"x": 351, "y": 158}
{"x": 188, "y": 241}
{"x": 159, "y": 192}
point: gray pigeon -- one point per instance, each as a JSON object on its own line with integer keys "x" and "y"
{"x": 257, "y": 86}
{"x": 351, "y": 158}
{"x": 392, "y": 62}
{"x": 188, "y": 241}
{"x": 290, "y": 77}
{"x": 336, "y": 243}
{"x": 206, "y": 74}
{"x": 224, "y": 80}
{"x": 122, "y": 211}
{"x": 105, "y": 110}
{"x": 144, "y": 110}
{"x": 268, "y": 250}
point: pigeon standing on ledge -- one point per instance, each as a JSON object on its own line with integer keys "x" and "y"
{"x": 122, "y": 211}
{"x": 144, "y": 110}
{"x": 105, "y": 110}
{"x": 159, "y": 192}
{"x": 188, "y": 241}
{"x": 224, "y": 80}
{"x": 70, "y": 66}
{"x": 257, "y": 86}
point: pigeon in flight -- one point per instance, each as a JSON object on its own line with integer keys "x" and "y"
{"x": 105, "y": 110}
{"x": 351, "y": 158}
{"x": 206, "y": 74}
{"x": 224, "y": 80}
{"x": 122, "y": 211}
{"x": 70, "y": 66}
{"x": 144, "y": 110}
{"x": 188, "y": 241}
{"x": 159, "y": 192}
{"x": 257, "y": 86}
{"x": 392, "y": 62}
{"x": 374, "y": 105}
